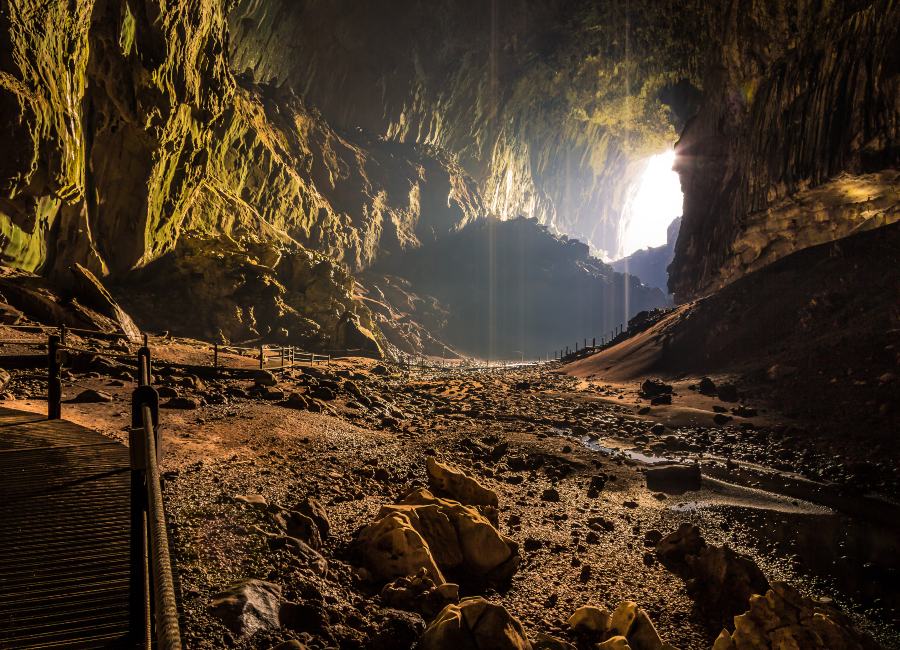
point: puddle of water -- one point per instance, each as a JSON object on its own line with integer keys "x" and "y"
{"x": 720, "y": 493}
{"x": 612, "y": 447}
{"x": 856, "y": 561}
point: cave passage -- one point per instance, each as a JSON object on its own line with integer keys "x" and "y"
{"x": 337, "y": 229}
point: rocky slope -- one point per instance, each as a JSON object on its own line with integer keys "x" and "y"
{"x": 510, "y": 289}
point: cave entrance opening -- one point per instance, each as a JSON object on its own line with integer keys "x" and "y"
{"x": 652, "y": 202}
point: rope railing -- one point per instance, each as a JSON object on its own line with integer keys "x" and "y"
{"x": 152, "y": 602}
{"x": 154, "y": 594}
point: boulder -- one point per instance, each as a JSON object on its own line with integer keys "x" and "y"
{"x": 248, "y": 606}
{"x": 298, "y": 525}
{"x": 783, "y": 618}
{"x": 674, "y": 479}
{"x": 654, "y": 388}
{"x": 614, "y": 643}
{"x": 630, "y": 621}
{"x": 181, "y": 403}
{"x": 5, "y": 378}
{"x": 676, "y": 546}
{"x": 264, "y": 378}
{"x": 589, "y": 619}
{"x": 707, "y": 386}
{"x": 715, "y": 575}
{"x": 451, "y": 482}
{"x": 314, "y": 509}
{"x": 392, "y": 547}
{"x": 475, "y": 624}
{"x": 448, "y": 535}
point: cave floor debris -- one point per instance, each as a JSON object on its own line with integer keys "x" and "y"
{"x": 369, "y": 444}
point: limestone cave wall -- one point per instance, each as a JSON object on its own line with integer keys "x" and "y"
{"x": 797, "y": 141}
{"x": 125, "y": 127}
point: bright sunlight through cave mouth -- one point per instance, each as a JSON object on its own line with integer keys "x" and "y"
{"x": 651, "y": 205}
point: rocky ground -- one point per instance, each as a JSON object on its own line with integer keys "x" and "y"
{"x": 270, "y": 489}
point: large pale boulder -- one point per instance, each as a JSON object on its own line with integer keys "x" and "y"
{"x": 589, "y": 619}
{"x": 448, "y": 536}
{"x": 475, "y": 624}
{"x": 627, "y": 628}
{"x": 451, "y": 482}
{"x": 392, "y": 547}
{"x": 783, "y": 618}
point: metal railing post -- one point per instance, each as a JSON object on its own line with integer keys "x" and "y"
{"x": 54, "y": 385}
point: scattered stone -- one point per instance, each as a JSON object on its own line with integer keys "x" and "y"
{"x": 396, "y": 629}
{"x": 298, "y": 525}
{"x": 314, "y": 509}
{"x": 303, "y": 617}
{"x": 248, "y": 606}
{"x": 475, "y": 624}
{"x": 661, "y": 400}
{"x": 674, "y": 479}
{"x": 550, "y": 494}
{"x": 546, "y": 642}
{"x": 654, "y": 387}
{"x": 293, "y": 644}
{"x": 303, "y": 552}
{"x": 91, "y": 396}
{"x": 721, "y": 418}
{"x": 419, "y": 593}
{"x": 257, "y": 501}
{"x": 5, "y": 378}
{"x": 264, "y": 378}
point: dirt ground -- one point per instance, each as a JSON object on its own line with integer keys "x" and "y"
{"x": 368, "y": 446}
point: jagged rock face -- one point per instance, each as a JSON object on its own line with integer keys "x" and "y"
{"x": 797, "y": 140}
{"x": 547, "y": 103}
{"x": 128, "y": 128}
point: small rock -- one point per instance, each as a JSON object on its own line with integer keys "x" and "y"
{"x": 183, "y": 403}
{"x": 550, "y": 494}
{"x": 248, "y": 606}
{"x": 91, "y": 396}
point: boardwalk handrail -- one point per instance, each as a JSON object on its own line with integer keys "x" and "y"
{"x": 163, "y": 625}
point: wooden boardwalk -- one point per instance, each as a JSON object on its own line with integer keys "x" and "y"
{"x": 64, "y": 535}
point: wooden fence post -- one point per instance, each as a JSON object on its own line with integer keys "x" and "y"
{"x": 54, "y": 385}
